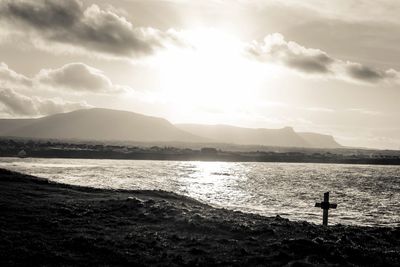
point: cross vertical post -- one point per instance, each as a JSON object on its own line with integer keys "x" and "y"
{"x": 325, "y": 211}
{"x": 325, "y": 205}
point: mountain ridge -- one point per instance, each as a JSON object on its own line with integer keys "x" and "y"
{"x": 285, "y": 136}
{"x": 118, "y": 125}
{"x": 98, "y": 124}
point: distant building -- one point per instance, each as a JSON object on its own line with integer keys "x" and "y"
{"x": 22, "y": 154}
{"x": 209, "y": 150}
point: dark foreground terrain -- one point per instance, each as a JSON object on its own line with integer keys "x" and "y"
{"x": 49, "y": 224}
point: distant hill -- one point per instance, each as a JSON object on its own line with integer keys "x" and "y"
{"x": 98, "y": 124}
{"x": 10, "y": 125}
{"x": 115, "y": 125}
{"x": 285, "y": 137}
{"x": 320, "y": 140}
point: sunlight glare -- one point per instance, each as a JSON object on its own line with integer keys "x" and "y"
{"x": 212, "y": 74}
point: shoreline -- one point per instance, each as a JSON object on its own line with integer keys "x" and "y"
{"x": 46, "y": 223}
{"x": 207, "y": 159}
{"x": 186, "y": 152}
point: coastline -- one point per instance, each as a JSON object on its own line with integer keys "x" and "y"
{"x": 45, "y": 223}
{"x": 183, "y": 152}
{"x": 207, "y": 158}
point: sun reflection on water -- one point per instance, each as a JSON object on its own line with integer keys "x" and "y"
{"x": 366, "y": 195}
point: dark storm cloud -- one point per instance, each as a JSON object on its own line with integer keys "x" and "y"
{"x": 16, "y": 104}
{"x": 275, "y": 49}
{"x": 91, "y": 28}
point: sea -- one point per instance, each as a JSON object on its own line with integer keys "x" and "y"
{"x": 367, "y": 195}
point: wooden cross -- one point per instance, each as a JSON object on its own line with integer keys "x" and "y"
{"x": 325, "y": 205}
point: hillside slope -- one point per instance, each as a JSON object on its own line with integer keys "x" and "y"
{"x": 320, "y": 140}
{"x": 285, "y": 137}
{"x": 98, "y": 124}
{"x": 116, "y": 125}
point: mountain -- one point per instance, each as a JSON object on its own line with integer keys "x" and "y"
{"x": 9, "y": 125}
{"x": 114, "y": 125}
{"x": 320, "y": 140}
{"x": 286, "y": 137}
{"x": 98, "y": 124}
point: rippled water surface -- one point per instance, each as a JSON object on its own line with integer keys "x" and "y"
{"x": 366, "y": 195}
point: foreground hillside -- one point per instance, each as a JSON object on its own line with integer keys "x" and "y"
{"x": 48, "y": 224}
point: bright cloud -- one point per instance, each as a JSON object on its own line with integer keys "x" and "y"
{"x": 10, "y": 77}
{"x": 78, "y": 77}
{"x": 74, "y": 77}
{"x": 15, "y": 104}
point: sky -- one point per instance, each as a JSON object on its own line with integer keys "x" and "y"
{"x": 330, "y": 67}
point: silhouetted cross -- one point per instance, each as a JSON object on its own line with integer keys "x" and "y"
{"x": 325, "y": 205}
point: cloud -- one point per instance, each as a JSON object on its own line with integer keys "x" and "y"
{"x": 275, "y": 49}
{"x": 17, "y": 92}
{"x": 77, "y": 77}
{"x": 365, "y": 73}
{"x": 349, "y": 10}
{"x": 74, "y": 77}
{"x": 320, "y": 109}
{"x": 13, "y": 104}
{"x": 92, "y": 29}
{"x": 365, "y": 111}
{"x": 10, "y": 77}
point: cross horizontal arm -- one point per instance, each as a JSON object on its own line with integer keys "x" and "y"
{"x": 333, "y": 206}
{"x": 326, "y": 205}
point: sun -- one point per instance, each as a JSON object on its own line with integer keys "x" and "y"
{"x": 212, "y": 74}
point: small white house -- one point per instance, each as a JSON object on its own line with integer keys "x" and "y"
{"x": 22, "y": 154}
